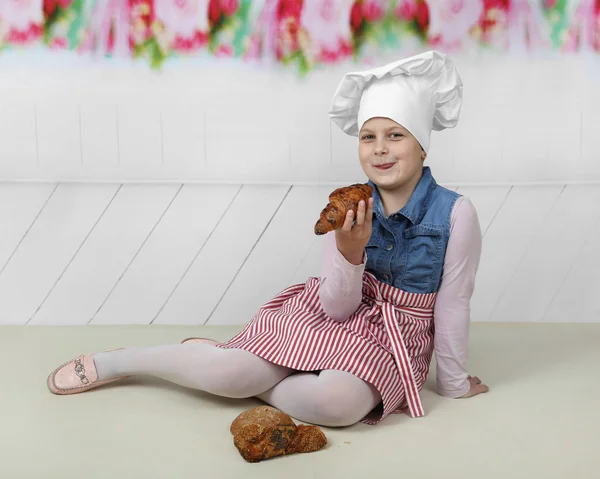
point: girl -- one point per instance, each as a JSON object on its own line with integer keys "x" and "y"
{"x": 356, "y": 344}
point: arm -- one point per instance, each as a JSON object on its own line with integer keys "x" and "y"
{"x": 452, "y": 309}
{"x": 341, "y": 282}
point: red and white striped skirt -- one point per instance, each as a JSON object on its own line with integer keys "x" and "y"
{"x": 387, "y": 342}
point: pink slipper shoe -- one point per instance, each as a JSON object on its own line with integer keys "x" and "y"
{"x": 199, "y": 340}
{"x": 76, "y": 376}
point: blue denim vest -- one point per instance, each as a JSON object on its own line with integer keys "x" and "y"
{"x": 407, "y": 249}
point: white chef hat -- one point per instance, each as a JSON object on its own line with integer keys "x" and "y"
{"x": 421, "y": 93}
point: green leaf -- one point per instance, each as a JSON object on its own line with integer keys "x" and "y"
{"x": 157, "y": 57}
{"x": 79, "y": 23}
{"x": 244, "y": 29}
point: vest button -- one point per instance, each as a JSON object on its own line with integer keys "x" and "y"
{"x": 385, "y": 276}
{"x": 389, "y": 247}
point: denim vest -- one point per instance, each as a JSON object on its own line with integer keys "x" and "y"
{"x": 407, "y": 249}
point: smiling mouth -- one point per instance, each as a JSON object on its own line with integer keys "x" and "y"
{"x": 385, "y": 166}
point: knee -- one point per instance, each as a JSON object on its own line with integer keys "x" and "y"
{"x": 339, "y": 408}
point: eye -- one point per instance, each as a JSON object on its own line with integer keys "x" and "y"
{"x": 397, "y": 135}
{"x": 367, "y": 137}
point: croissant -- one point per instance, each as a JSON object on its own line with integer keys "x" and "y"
{"x": 340, "y": 201}
{"x": 265, "y": 432}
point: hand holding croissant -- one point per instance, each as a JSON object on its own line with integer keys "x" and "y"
{"x": 346, "y": 204}
{"x": 341, "y": 201}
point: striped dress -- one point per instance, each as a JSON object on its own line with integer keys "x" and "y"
{"x": 387, "y": 342}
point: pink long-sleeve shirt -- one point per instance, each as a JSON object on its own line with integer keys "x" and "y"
{"x": 341, "y": 294}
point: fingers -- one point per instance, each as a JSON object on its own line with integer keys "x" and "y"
{"x": 479, "y": 389}
{"x": 360, "y": 217}
{"x": 475, "y": 390}
{"x": 476, "y": 387}
{"x": 369, "y": 215}
{"x": 347, "y": 226}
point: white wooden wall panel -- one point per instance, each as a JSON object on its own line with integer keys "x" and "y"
{"x": 173, "y": 254}
{"x": 312, "y": 263}
{"x": 272, "y": 264}
{"x": 99, "y": 138}
{"x": 344, "y": 149}
{"x": 442, "y": 156}
{"x": 184, "y": 140}
{"x": 553, "y": 249}
{"x": 220, "y": 260}
{"x": 20, "y": 204}
{"x": 578, "y": 297}
{"x": 140, "y": 139}
{"x": 167, "y": 254}
{"x": 248, "y": 138}
{"x": 476, "y": 144}
{"x": 522, "y": 122}
{"x": 589, "y": 163}
{"x": 106, "y": 254}
{"x": 58, "y": 136}
{"x": 487, "y": 201}
{"x": 48, "y": 248}
{"x": 310, "y": 131}
{"x": 18, "y": 139}
{"x": 507, "y": 241}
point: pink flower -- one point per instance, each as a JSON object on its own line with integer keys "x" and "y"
{"x": 373, "y": 10}
{"x": 596, "y": 38}
{"x": 571, "y": 43}
{"x": 423, "y": 14}
{"x": 188, "y": 45}
{"x": 288, "y": 8}
{"x": 333, "y": 56}
{"x": 550, "y": 3}
{"x": 327, "y": 23}
{"x": 253, "y": 51}
{"x": 183, "y": 45}
{"x": 59, "y": 43}
{"x": 109, "y": 30}
{"x": 229, "y": 7}
{"x": 451, "y": 20}
{"x": 224, "y": 51}
{"x": 19, "y": 15}
{"x": 582, "y": 28}
{"x": 24, "y": 37}
{"x": 356, "y": 16}
{"x": 527, "y": 27}
{"x": 51, "y": 5}
{"x": 183, "y": 17}
{"x": 406, "y": 10}
{"x": 273, "y": 28}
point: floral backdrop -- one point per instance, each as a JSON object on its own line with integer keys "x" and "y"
{"x": 302, "y": 34}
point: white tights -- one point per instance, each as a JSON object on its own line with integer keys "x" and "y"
{"x": 331, "y": 398}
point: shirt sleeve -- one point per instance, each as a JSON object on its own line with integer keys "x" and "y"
{"x": 452, "y": 311}
{"x": 341, "y": 282}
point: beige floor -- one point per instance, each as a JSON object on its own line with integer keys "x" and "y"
{"x": 540, "y": 420}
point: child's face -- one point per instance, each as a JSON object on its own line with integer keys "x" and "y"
{"x": 383, "y": 141}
